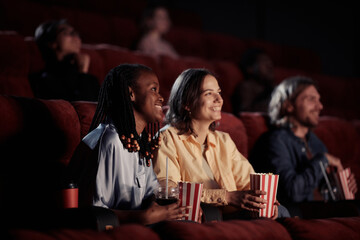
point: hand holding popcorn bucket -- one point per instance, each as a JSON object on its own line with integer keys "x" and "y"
{"x": 343, "y": 178}
{"x": 268, "y": 183}
{"x": 190, "y": 195}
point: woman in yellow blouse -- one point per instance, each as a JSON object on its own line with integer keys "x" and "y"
{"x": 199, "y": 153}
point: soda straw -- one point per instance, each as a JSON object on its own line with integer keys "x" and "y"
{"x": 166, "y": 189}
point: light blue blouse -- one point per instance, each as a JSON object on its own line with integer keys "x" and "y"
{"x": 123, "y": 180}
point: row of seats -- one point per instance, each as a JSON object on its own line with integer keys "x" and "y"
{"x": 97, "y": 27}
{"x": 38, "y": 138}
{"x": 20, "y": 57}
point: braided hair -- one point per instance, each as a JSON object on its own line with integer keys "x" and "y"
{"x": 114, "y": 103}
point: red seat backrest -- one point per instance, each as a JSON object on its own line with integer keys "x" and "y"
{"x": 14, "y": 55}
{"x": 187, "y": 41}
{"x": 226, "y": 47}
{"x": 85, "y": 111}
{"x": 255, "y": 124}
{"x": 234, "y": 126}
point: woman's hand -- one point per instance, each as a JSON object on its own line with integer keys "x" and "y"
{"x": 248, "y": 200}
{"x": 156, "y": 213}
{"x": 276, "y": 210}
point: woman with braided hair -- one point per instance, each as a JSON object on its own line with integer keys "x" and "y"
{"x": 113, "y": 164}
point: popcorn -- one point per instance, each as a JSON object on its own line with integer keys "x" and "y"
{"x": 266, "y": 182}
{"x": 343, "y": 179}
{"x": 190, "y": 195}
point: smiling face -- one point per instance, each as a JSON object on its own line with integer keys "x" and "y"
{"x": 210, "y": 102}
{"x": 147, "y": 101}
{"x": 307, "y": 107}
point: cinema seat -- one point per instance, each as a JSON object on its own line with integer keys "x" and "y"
{"x": 125, "y": 31}
{"x": 187, "y": 41}
{"x": 14, "y": 55}
{"x": 225, "y": 47}
{"x": 234, "y": 126}
{"x": 113, "y": 56}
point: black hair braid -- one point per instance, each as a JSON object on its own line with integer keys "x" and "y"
{"x": 115, "y": 103}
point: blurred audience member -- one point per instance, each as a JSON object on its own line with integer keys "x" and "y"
{"x": 66, "y": 69}
{"x": 253, "y": 94}
{"x": 155, "y": 23}
{"x": 290, "y": 148}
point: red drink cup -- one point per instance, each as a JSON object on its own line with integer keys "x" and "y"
{"x": 70, "y": 196}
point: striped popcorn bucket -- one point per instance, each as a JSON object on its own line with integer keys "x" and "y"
{"x": 343, "y": 177}
{"x": 268, "y": 183}
{"x": 190, "y": 195}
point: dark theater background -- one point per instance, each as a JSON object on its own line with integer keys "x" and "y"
{"x": 318, "y": 39}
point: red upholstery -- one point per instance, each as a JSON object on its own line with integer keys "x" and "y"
{"x": 235, "y": 229}
{"x": 302, "y": 58}
{"x": 357, "y": 125}
{"x": 113, "y": 56}
{"x": 14, "y": 13}
{"x": 67, "y": 13}
{"x": 36, "y": 62}
{"x": 187, "y": 41}
{"x": 339, "y": 95}
{"x": 124, "y": 31}
{"x": 183, "y": 18}
{"x": 124, "y": 232}
{"x": 95, "y": 28}
{"x": 63, "y": 115}
{"x": 17, "y": 86}
{"x": 37, "y": 139}
{"x": 341, "y": 139}
{"x": 255, "y": 125}
{"x": 289, "y": 57}
{"x": 221, "y": 46}
{"x": 280, "y": 73}
{"x": 14, "y": 56}
{"x": 85, "y": 111}
{"x": 41, "y": 127}
{"x": 96, "y": 67}
{"x": 129, "y": 9}
{"x": 107, "y": 7}
{"x": 232, "y": 125}
{"x": 332, "y": 228}
{"x": 273, "y": 50}
{"x": 171, "y": 68}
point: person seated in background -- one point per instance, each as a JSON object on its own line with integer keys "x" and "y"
{"x": 113, "y": 163}
{"x": 197, "y": 152}
{"x": 290, "y": 148}
{"x": 253, "y": 94}
{"x": 155, "y": 23}
{"x": 66, "y": 68}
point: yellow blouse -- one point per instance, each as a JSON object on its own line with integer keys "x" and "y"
{"x": 230, "y": 168}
